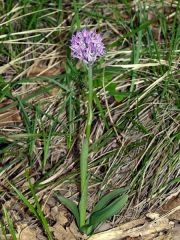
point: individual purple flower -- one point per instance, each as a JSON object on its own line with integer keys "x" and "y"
{"x": 87, "y": 45}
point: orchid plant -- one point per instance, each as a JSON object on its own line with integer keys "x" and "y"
{"x": 87, "y": 46}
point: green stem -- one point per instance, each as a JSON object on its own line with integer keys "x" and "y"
{"x": 90, "y": 101}
{"x": 84, "y": 154}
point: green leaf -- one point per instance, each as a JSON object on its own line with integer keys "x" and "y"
{"x": 119, "y": 96}
{"x": 97, "y": 82}
{"x": 112, "y": 209}
{"x": 87, "y": 229}
{"x": 111, "y": 88}
{"x": 103, "y": 202}
{"x": 70, "y": 205}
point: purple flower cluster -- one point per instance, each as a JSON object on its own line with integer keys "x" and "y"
{"x": 87, "y": 46}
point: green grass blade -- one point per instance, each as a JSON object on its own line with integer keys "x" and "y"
{"x": 101, "y": 110}
{"x": 10, "y": 224}
{"x": 46, "y": 141}
{"x": 32, "y": 139}
{"x": 25, "y": 116}
{"x": 25, "y": 201}
{"x": 77, "y": 18}
{"x": 40, "y": 213}
{"x": 3, "y": 231}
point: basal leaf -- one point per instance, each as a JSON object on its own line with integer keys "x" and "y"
{"x": 87, "y": 229}
{"x": 70, "y": 205}
{"x": 103, "y": 202}
{"x": 100, "y": 216}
